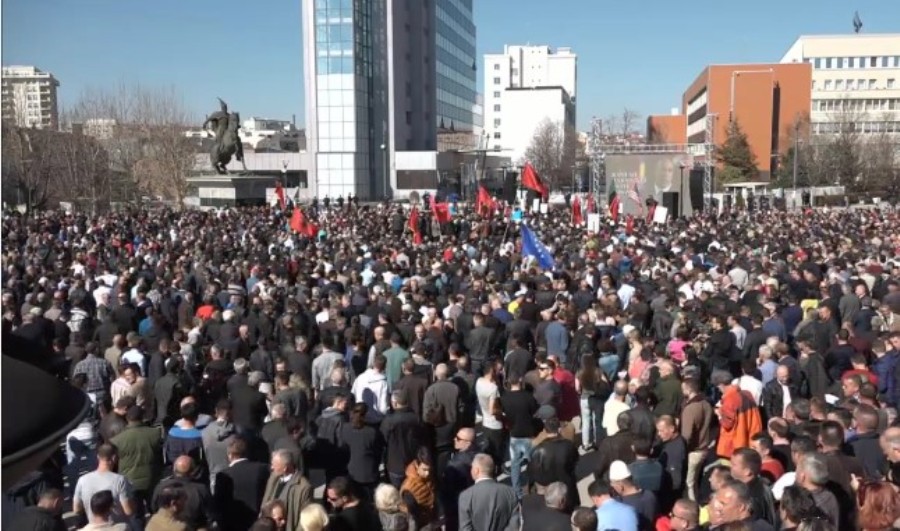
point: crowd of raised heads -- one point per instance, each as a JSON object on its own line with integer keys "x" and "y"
{"x": 420, "y": 370}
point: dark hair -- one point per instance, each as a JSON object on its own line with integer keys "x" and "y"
{"x": 342, "y": 487}
{"x": 107, "y": 451}
{"x": 423, "y": 456}
{"x": 832, "y": 434}
{"x": 379, "y": 362}
{"x": 358, "y": 415}
{"x": 642, "y": 446}
{"x": 170, "y": 494}
{"x": 764, "y": 440}
{"x": 644, "y": 396}
{"x": 134, "y": 414}
{"x": 584, "y": 519}
{"x": 102, "y": 503}
{"x": 190, "y": 411}
{"x": 598, "y": 487}
{"x": 780, "y": 427}
{"x": 751, "y": 459}
{"x": 803, "y": 445}
{"x": 264, "y": 523}
{"x": 798, "y": 504}
{"x": 238, "y": 446}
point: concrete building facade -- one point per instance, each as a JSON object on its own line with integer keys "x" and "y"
{"x": 854, "y": 77}
{"x": 548, "y": 76}
{"x": 765, "y": 100}
{"x": 29, "y": 97}
{"x": 456, "y": 65}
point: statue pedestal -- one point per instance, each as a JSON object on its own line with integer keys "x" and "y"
{"x": 232, "y": 190}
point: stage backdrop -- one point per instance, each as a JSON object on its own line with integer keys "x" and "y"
{"x": 640, "y": 176}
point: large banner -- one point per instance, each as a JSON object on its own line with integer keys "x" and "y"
{"x": 638, "y": 177}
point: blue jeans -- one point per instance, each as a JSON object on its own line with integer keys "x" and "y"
{"x": 609, "y": 364}
{"x": 588, "y": 422}
{"x": 519, "y": 451}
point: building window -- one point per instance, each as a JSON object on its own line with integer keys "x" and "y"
{"x": 839, "y": 84}
{"x": 496, "y": 94}
{"x": 890, "y": 83}
{"x": 496, "y": 135}
{"x": 496, "y": 108}
{"x": 827, "y": 84}
{"x": 828, "y": 62}
{"x": 884, "y": 61}
{"x": 850, "y": 84}
{"x": 871, "y": 84}
{"x": 860, "y": 84}
{"x": 496, "y": 80}
{"x": 496, "y": 66}
{"x": 496, "y": 122}
{"x": 818, "y": 62}
{"x": 873, "y": 62}
{"x": 814, "y": 84}
{"x": 845, "y": 62}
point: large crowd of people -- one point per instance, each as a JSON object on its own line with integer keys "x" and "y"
{"x": 731, "y": 372}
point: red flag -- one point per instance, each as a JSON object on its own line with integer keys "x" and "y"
{"x": 591, "y": 204}
{"x": 629, "y": 224}
{"x": 312, "y": 230}
{"x": 298, "y": 221}
{"x": 532, "y": 181}
{"x": 484, "y": 204}
{"x": 577, "y": 216}
{"x": 650, "y": 212}
{"x": 614, "y": 209}
{"x": 414, "y": 225}
{"x": 279, "y": 191}
{"x": 441, "y": 211}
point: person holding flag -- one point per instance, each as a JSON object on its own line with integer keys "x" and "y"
{"x": 532, "y": 181}
{"x": 414, "y": 225}
{"x": 279, "y": 193}
{"x": 532, "y": 247}
{"x": 577, "y": 216}
{"x": 484, "y": 203}
{"x": 614, "y": 202}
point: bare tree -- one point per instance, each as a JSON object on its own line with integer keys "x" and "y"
{"x": 553, "y": 152}
{"x": 628, "y": 121}
{"x": 85, "y": 170}
{"x": 28, "y": 166}
{"x": 611, "y": 125}
{"x": 148, "y": 144}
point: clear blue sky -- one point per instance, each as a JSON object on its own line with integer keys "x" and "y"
{"x": 639, "y": 54}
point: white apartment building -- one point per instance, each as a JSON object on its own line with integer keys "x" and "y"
{"x": 29, "y": 97}
{"x": 855, "y": 75}
{"x": 523, "y": 86}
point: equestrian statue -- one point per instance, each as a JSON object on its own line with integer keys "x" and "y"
{"x": 225, "y": 126}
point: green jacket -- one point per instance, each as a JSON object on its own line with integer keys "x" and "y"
{"x": 140, "y": 455}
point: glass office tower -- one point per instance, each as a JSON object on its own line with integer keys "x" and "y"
{"x": 456, "y": 64}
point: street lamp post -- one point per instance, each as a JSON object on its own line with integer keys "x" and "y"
{"x": 384, "y": 158}
{"x": 681, "y": 166}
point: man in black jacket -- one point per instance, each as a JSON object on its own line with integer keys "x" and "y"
{"x": 249, "y": 405}
{"x": 554, "y": 460}
{"x": 199, "y": 509}
{"x": 331, "y": 454}
{"x": 168, "y": 392}
{"x": 720, "y": 347}
{"x": 240, "y": 488}
{"x": 552, "y": 515}
{"x": 403, "y": 434}
{"x": 672, "y": 455}
{"x": 479, "y": 342}
{"x": 616, "y": 447}
{"x": 772, "y": 396}
{"x": 866, "y": 446}
{"x": 45, "y": 516}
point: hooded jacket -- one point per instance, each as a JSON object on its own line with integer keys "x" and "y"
{"x": 371, "y": 388}
{"x": 215, "y": 445}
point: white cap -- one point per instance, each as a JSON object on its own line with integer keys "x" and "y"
{"x": 627, "y": 329}
{"x": 618, "y": 471}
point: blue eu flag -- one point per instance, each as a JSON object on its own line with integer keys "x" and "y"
{"x": 531, "y": 246}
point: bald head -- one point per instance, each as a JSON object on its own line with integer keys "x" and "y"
{"x": 183, "y": 465}
{"x": 440, "y": 372}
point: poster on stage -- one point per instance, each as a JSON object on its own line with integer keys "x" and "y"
{"x": 593, "y": 222}
{"x": 544, "y": 207}
{"x": 660, "y": 214}
{"x": 535, "y": 205}
{"x": 641, "y": 176}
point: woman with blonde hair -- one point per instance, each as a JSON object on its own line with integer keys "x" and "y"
{"x": 313, "y": 518}
{"x": 390, "y": 509}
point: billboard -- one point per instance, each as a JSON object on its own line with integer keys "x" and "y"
{"x": 640, "y": 176}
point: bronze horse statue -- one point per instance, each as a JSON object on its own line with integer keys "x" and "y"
{"x": 225, "y": 126}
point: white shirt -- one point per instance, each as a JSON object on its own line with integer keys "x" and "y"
{"x": 786, "y": 394}
{"x": 785, "y": 481}
{"x": 751, "y": 385}
{"x": 486, "y": 391}
{"x": 611, "y": 414}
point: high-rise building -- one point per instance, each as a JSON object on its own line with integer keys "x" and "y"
{"x": 456, "y": 64}
{"x": 854, "y": 78}
{"x": 524, "y": 86}
{"x": 380, "y": 78}
{"x": 29, "y": 97}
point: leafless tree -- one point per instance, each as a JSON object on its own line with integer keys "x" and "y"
{"x": 553, "y": 152}
{"x": 628, "y": 121}
{"x": 148, "y": 144}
